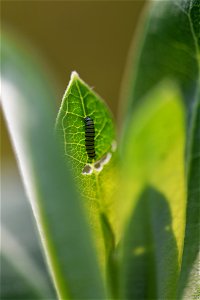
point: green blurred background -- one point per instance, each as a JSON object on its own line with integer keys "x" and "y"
{"x": 91, "y": 37}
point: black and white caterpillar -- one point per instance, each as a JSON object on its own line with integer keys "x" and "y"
{"x": 89, "y": 137}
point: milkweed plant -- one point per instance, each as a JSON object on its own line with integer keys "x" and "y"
{"x": 116, "y": 207}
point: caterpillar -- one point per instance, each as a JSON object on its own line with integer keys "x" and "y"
{"x": 89, "y": 137}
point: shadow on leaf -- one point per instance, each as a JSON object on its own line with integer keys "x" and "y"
{"x": 150, "y": 257}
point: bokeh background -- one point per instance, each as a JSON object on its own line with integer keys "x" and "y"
{"x": 91, "y": 37}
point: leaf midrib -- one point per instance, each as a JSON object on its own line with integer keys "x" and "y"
{"x": 82, "y": 101}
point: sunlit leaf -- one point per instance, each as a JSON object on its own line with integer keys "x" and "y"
{"x": 95, "y": 177}
{"x": 153, "y": 186}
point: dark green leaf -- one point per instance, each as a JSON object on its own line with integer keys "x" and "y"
{"x": 169, "y": 49}
{"x": 190, "y": 263}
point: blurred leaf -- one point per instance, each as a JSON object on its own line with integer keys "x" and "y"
{"x": 169, "y": 49}
{"x": 153, "y": 185}
{"x": 150, "y": 252}
{"x": 27, "y": 105}
{"x": 21, "y": 278}
{"x": 190, "y": 265}
{"x": 14, "y": 204}
{"x": 95, "y": 186}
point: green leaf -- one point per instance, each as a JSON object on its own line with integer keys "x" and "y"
{"x": 190, "y": 263}
{"x": 21, "y": 250}
{"x": 80, "y": 101}
{"x": 95, "y": 177}
{"x": 153, "y": 185}
{"x": 65, "y": 234}
{"x": 20, "y": 271}
{"x": 169, "y": 49}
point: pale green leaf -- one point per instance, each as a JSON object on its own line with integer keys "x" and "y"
{"x": 153, "y": 185}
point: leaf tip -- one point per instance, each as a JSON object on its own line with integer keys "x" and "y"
{"x": 74, "y": 75}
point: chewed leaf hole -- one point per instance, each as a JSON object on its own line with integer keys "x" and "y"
{"x": 98, "y": 166}
{"x": 105, "y": 159}
{"x": 87, "y": 170}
